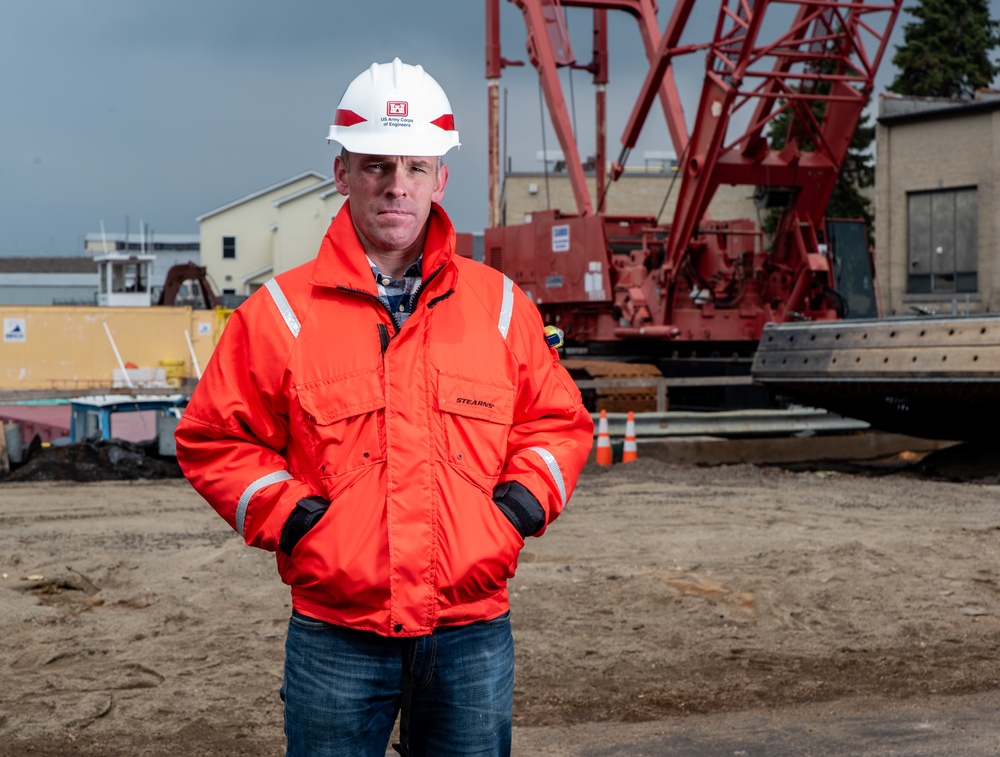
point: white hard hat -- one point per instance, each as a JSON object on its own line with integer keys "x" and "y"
{"x": 395, "y": 109}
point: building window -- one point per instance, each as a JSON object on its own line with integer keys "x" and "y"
{"x": 129, "y": 277}
{"x": 943, "y": 242}
{"x": 228, "y": 248}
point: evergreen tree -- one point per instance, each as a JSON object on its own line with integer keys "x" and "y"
{"x": 857, "y": 173}
{"x": 946, "y": 52}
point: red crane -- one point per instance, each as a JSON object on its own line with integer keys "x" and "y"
{"x": 617, "y": 279}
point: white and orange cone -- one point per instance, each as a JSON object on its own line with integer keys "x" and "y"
{"x": 629, "y": 450}
{"x": 603, "y": 441}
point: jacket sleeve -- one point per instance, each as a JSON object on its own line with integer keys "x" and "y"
{"x": 232, "y": 436}
{"x": 552, "y": 432}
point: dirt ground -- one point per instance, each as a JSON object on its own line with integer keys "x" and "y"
{"x": 670, "y": 609}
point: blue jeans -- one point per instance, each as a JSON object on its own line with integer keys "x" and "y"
{"x": 343, "y": 689}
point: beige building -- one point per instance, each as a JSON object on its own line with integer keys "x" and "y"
{"x": 303, "y": 218}
{"x": 936, "y": 205}
{"x": 248, "y": 241}
{"x": 637, "y": 192}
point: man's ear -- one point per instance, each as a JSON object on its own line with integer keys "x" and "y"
{"x": 340, "y": 175}
{"x": 442, "y": 181}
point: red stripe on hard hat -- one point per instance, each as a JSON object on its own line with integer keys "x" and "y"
{"x": 347, "y": 118}
{"x": 446, "y": 122}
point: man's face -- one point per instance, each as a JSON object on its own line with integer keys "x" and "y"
{"x": 390, "y": 197}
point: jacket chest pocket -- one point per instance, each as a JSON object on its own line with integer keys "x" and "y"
{"x": 476, "y": 418}
{"x": 343, "y": 420}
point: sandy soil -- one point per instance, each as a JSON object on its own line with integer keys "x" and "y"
{"x": 133, "y": 622}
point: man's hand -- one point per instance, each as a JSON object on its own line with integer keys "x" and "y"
{"x": 306, "y": 514}
{"x": 520, "y": 507}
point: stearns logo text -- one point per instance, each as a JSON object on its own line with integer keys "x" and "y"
{"x": 477, "y": 403}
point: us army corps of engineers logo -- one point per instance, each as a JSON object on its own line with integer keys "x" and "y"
{"x": 396, "y": 113}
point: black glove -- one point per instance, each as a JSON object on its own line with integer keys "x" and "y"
{"x": 306, "y": 514}
{"x": 520, "y": 507}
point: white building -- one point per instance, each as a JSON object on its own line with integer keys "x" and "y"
{"x": 248, "y": 241}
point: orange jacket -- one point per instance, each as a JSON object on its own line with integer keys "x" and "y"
{"x": 312, "y": 393}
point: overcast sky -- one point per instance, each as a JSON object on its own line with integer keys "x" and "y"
{"x": 160, "y": 111}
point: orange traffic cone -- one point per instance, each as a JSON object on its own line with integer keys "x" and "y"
{"x": 629, "y": 450}
{"x": 603, "y": 441}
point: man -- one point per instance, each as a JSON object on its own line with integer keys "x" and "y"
{"x": 391, "y": 421}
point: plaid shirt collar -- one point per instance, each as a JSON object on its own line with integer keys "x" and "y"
{"x": 398, "y": 296}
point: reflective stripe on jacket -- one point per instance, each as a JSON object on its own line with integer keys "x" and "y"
{"x": 311, "y": 392}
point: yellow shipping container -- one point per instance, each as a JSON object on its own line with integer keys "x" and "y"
{"x": 87, "y": 347}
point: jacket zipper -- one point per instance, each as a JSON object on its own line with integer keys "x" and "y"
{"x": 383, "y": 331}
{"x": 423, "y": 284}
{"x": 371, "y": 296}
{"x": 383, "y": 337}
{"x": 440, "y": 298}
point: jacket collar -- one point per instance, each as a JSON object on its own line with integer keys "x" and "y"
{"x": 342, "y": 262}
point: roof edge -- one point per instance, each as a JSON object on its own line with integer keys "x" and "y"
{"x": 298, "y": 177}
{"x": 306, "y": 191}
{"x": 930, "y": 109}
